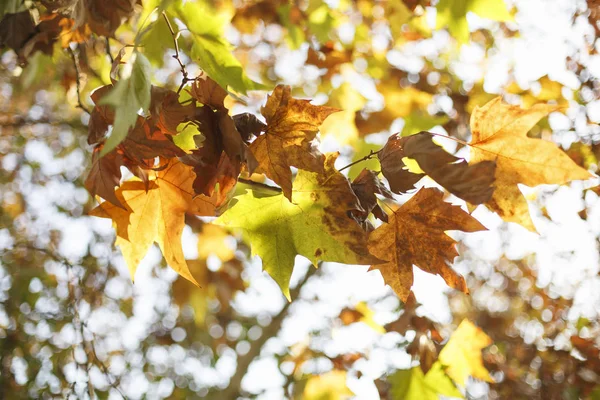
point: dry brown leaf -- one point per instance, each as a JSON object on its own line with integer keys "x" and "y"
{"x": 105, "y": 175}
{"x": 365, "y": 187}
{"x": 472, "y": 183}
{"x": 500, "y": 135}
{"x": 156, "y": 215}
{"x": 415, "y": 235}
{"x": 292, "y": 126}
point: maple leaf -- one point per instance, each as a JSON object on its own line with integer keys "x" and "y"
{"x": 471, "y": 182}
{"x": 412, "y": 384}
{"x": 145, "y": 142}
{"x": 453, "y": 13}
{"x": 222, "y": 149}
{"x": 365, "y": 186}
{"x": 156, "y": 214}
{"x": 167, "y": 111}
{"x": 415, "y": 236}
{"x": 292, "y": 126}
{"x": 15, "y": 29}
{"x": 462, "y": 353}
{"x": 315, "y": 225}
{"x": 500, "y": 134}
{"x": 104, "y": 176}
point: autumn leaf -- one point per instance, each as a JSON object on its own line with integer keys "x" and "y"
{"x": 462, "y": 353}
{"x": 222, "y": 149}
{"x": 412, "y": 384}
{"x": 292, "y": 126}
{"x": 453, "y": 14}
{"x": 471, "y": 182}
{"x": 365, "y": 187}
{"x": 15, "y": 29}
{"x": 156, "y": 215}
{"x": 167, "y": 112}
{"x": 104, "y": 176}
{"x": 315, "y": 225}
{"x": 500, "y": 134}
{"x": 415, "y": 236}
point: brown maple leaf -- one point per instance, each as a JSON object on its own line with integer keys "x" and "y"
{"x": 105, "y": 175}
{"x": 365, "y": 186}
{"x": 472, "y": 183}
{"x": 167, "y": 112}
{"x": 145, "y": 142}
{"x": 102, "y": 116}
{"x": 222, "y": 150}
{"x": 288, "y": 140}
{"x": 16, "y": 29}
{"x": 415, "y": 236}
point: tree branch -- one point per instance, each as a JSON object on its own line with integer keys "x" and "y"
{"x": 175, "y": 36}
{"x": 365, "y": 158}
{"x": 232, "y": 391}
{"x": 77, "y": 80}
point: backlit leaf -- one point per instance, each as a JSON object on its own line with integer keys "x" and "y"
{"x": 415, "y": 235}
{"x": 156, "y": 215}
{"x": 500, "y": 134}
{"x": 315, "y": 225}
{"x": 462, "y": 354}
{"x": 292, "y": 126}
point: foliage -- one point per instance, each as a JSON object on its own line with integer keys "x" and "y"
{"x": 180, "y": 146}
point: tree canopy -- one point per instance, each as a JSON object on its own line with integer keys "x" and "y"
{"x": 397, "y": 135}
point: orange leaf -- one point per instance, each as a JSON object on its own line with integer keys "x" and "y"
{"x": 415, "y": 236}
{"x": 156, "y": 215}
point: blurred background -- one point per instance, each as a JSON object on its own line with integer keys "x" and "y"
{"x": 73, "y": 325}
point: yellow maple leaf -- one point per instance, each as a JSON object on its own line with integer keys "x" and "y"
{"x": 156, "y": 215}
{"x": 500, "y": 134}
{"x": 292, "y": 125}
{"x": 462, "y": 353}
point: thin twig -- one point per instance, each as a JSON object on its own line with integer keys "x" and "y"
{"x": 112, "y": 59}
{"x": 175, "y": 36}
{"x": 365, "y": 158}
{"x": 77, "y": 80}
{"x": 259, "y": 185}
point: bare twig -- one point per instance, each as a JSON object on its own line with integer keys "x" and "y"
{"x": 365, "y": 158}
{"x": 77, "y": 80}
{"x": 112, "y": 59}
{"x": 232, "y": 391}
{"x": 175, "y": 36}
{"x": 259, "y": 185}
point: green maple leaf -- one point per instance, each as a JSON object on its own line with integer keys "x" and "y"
{"x": 129, "y": 95}
{"x": 412, "y": 384}
{"x": 316, "y": 225}
{"x": 453, "y": 14}
{"x": 211, "y": 50}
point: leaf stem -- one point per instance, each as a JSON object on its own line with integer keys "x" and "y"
{"x": 365, "y": 158}
{"x": 77, "y": 80}
{"x": 259, "y": 184}
{"x": 175, "y": 36}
